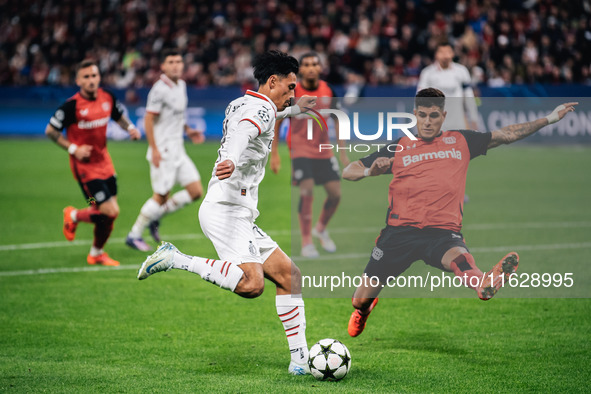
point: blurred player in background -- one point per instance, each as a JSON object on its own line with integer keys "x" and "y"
{"x": 227, "y": 215}
{"x": 165, "y": 123}
{"x": 453, "y": 79}
{"x": 310, "y": 166}
{"x": 85, "y": 116}
{"x": 425, "y": 214}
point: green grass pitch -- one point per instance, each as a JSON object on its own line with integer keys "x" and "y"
{"x": 67, "y": 328}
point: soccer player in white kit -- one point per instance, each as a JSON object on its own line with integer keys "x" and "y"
{"x": 165, "y": 123}
{"x": 247, "y": 255}
{"x": 453, "y": 79}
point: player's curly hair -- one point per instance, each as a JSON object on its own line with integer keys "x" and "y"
{"x": 430, "y": 97}
{"x": 274, "y": 63}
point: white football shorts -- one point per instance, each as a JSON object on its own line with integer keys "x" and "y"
{"x": 233, "y": 233}
{"x": 171, "y": 172}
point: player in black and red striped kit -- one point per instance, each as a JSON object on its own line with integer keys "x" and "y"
{"x": 426, "y": 198}
{"x": 85, "y": 116}
{"x": 309, "y": 165}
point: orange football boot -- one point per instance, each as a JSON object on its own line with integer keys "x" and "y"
{"x": 69, "y": 224}
{"x": 494, "y": 279}
{"x": 357, "y": 320}
{"x": 102, "y": 259}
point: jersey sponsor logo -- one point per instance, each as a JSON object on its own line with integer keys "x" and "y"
{"x": 377, "y": 253}
{"x": 447, "y": 154}
{"x": 449, "y": 140}
{"x": 92, "y": 124}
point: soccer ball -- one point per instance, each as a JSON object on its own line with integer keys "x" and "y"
{"x": 329, "y": 360}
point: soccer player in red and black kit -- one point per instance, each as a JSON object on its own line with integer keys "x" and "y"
{"x": 85, "y": 116}
{"x": 426, "y": 198}
{"x": 310, "y": 166}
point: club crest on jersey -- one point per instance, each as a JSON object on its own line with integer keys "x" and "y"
{"x": 243, "y": 192}
{"x": 106, "y": 106}
{"x": 377, "y": 253}
{"x": 251, "y": 248}
{"x": 449, "y": 140}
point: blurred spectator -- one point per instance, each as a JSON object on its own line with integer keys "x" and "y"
{"x": 384, "y": 41}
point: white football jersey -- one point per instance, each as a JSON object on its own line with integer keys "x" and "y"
{"x": 455, "y": 83}
{"x": 248, "y": 131}
{"x": 169, "y": 101}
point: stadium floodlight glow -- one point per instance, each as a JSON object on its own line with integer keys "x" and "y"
{"x": 345, "y": 124}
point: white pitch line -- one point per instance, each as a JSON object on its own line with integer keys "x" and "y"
{"x": 495, "y": 249}
{"x": 279, "y": 233}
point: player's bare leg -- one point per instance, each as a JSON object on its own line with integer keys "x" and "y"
{"x": 333, "y": 197}
{"x": 364, "y": 300}
{"x": 486, "y": 285}
{"x": 286, "y": 276}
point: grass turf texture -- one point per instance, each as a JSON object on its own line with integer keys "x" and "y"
{"x": 104, "y": 331}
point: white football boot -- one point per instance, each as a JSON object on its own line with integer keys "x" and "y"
{"x": 325, "y": 241}
{"x": 160, "y": 260}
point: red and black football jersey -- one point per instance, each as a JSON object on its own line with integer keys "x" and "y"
{"x": 429, "y": 178}
{"x": 297, "y": 137}
{"x": 85, "y": 122}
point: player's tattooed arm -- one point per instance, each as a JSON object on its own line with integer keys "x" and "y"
{"x": 516, "y": 132}
{"x": 81, "y": 152}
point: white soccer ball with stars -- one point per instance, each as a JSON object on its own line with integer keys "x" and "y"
{"x": 329, "y": 360}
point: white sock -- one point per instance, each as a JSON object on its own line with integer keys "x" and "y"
{"x": 74, "y": 215}
{"x": 149, "y": 212}
{"x": 290, "y": 309}
{"x": 178, "y": 200}
{"x": 222, "y": 273}
{"x": 95, "y": 251}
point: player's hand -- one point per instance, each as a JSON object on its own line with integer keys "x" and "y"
{"x": 560, "y": 112}
{"x": 306, "y": 101}
{"x": 380, "y": 166}
{"x": 275, "y": 163}
{"x": 134, "y": 133}
{"x": 196, "y": 136}
{"x": 156, "y": 157}
{"x": 224, "y": 169}
{"x": 83, "y": 153}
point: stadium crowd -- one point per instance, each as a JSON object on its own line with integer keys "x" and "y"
{"x": 502, "y": 42}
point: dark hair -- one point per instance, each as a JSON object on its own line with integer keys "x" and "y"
{"x": 443, "y": 43}
{"x": 85, "y": 63}
{"x": 430, "y": 97}
{"x": 169, "y": 52}
{"x": 309, "y": 54}
{"x": 274, "y": 63}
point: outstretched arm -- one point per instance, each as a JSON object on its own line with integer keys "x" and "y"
{"x": 356, "y": 170}
{"x": 516, "y": 132}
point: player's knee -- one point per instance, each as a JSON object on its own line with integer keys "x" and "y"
{"x": 252, "y": 287}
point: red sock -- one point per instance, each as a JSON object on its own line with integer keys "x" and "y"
{"x": 305, "y": 214}
{"x": 329, "y": 208}
{"x": 465, "y": 267}
{"x": 102, "y": 230}
{"x": 88, "y": 215}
